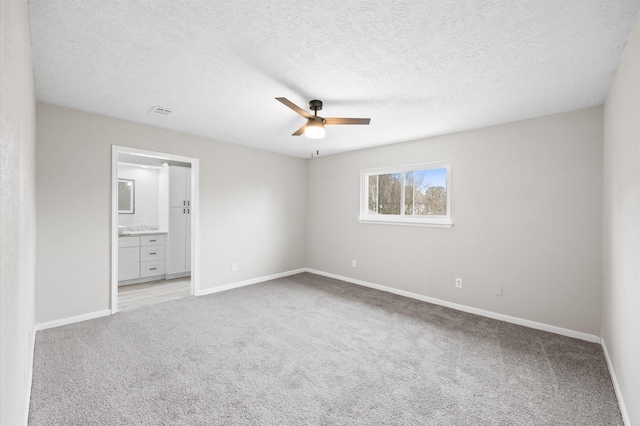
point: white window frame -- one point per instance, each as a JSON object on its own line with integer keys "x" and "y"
{"x": 440, "y": 221}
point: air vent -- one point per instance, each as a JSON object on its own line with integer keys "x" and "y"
{"x": 160, "y": 111}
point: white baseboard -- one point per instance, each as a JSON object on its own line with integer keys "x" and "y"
{"x": 32, "y": 349}
{"x": 71, "y": 320}
{"x": 211, "y": 290}
{"x": 107, "y": 312}
{"x": 616, "y": 386}
{"x": 489, "y": 314}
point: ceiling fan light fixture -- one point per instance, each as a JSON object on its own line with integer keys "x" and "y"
{"x": 314, "y": 129}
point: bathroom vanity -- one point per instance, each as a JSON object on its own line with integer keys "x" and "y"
{"x": 154, "y": 222}
{"x": 141, "y": 257}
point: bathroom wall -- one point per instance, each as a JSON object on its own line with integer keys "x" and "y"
{"x": 147, "y": 191}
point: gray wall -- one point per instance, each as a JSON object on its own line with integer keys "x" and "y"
{"x": 252, "y": 202}
{"x": 621, "y": 304}
{"x": 17, "y": 211}
{"x": 527, "y": 212}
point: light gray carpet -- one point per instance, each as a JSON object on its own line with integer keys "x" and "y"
{"x": 309, "y": 350}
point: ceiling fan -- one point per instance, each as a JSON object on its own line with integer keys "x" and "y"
{"x": 314, "y": 127}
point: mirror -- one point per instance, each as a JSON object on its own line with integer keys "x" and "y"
{"x": 126, "y": 196}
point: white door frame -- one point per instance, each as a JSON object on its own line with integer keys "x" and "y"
{"x": 195, "y": 215}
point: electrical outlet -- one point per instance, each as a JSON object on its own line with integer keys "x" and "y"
{"x": 458, "y": 282}
{"x": 234, "y": 266}
{"x": 353, "y": 263}
{"x": 498, "y": 290}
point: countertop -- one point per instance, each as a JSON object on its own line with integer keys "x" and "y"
{"x": 137, "y": 233}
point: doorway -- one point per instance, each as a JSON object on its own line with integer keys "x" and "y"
{"x": 146, "y": 266}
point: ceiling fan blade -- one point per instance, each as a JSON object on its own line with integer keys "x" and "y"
{"x": 337, "y": 120}
{"x": 300, "y": 130}
{"x": 294, "y": 107}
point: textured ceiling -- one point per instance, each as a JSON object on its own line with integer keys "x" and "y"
{"x": 416, "y": 68}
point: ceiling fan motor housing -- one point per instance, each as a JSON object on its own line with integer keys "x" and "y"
{"x": 315, "y": 105}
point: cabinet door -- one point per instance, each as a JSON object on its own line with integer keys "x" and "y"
{"x": 178, "y": 186}
{"x": 187, "y": 189}
{"x": 176, "y": 246}
{"x": 187, "y": 251}
{"x": 187, "y": 256}
{"x": 128, "y": 263}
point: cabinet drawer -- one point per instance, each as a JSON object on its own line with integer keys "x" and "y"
{"x": 152, "y": 240}
{"x": 148, "y": 253}
{"x": 150, "y": 269}
{"x": 128, "y": 241}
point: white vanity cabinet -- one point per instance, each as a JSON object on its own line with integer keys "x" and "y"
{"x": 179, "y": 240}
{"x": 128, "y": 258}
{"x": 141, "y": 258}
{"x": 179, "y": 186}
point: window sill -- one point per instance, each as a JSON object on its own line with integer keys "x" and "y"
{"x": 432, "y": 224}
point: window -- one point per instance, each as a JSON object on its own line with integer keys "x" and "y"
{"x": 415, "y": 194}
